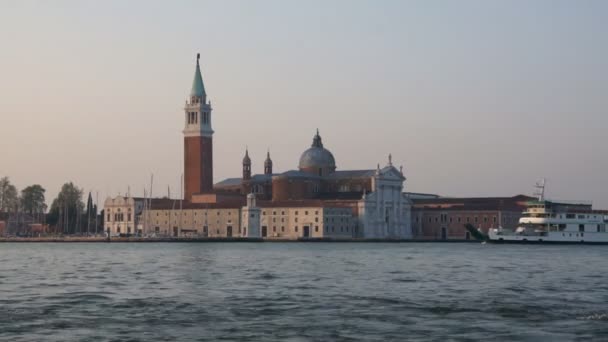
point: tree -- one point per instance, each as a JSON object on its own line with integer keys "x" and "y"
{"x": 91, "y": 214}
{"x": 32, "y": 199}
{"x": 67, "y": 208}
{"x": 9, "y": 200}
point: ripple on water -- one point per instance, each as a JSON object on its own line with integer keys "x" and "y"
{"x": 404, "y": 280}
{"x": 594, "y": 317}
{"x": 299, "y": 292}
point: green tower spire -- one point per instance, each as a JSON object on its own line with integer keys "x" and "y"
{"x": 198, "y": 88}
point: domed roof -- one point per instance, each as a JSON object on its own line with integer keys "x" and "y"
{"x": 317, "y": 156}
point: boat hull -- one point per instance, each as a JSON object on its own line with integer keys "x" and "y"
{"x": 550, "y": 238}
{"x": 547, "y": 242}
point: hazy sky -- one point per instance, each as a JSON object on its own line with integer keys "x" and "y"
{"x": 474, "y": 98}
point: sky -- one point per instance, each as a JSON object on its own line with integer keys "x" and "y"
{"x": 472, "y": 97}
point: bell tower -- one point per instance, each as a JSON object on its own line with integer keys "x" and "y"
{"x": 268, "y": 164}
{"x": 198, "y": 139}
{"x": 246, "y": 166}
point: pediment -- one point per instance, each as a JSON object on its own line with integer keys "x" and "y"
{"x": 391, "y": 173}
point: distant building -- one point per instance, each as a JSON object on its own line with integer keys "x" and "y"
{"x": 314, "y": 200}
{"x": 378, "y": 208}
{"x": 121, "y": 215}
{"x": 444, "y": 218}
{"x": 288, "y": 220}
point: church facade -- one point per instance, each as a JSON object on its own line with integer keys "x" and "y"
{"x": 299, "y": 203}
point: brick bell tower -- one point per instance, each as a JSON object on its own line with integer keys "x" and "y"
{"x": 198, "y": 140}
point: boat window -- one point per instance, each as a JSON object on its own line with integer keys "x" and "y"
{"x": 570, "y": 216}
{"x": 581, "y": 227}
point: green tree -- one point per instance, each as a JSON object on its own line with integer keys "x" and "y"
{"x": 66, "y": 209}
{"x": 32, "y": 200}
{"x": 91, "y": 215}
{"x": 9, "y": 200}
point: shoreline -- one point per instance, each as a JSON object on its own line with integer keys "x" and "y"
{"x": 211, "y": 240}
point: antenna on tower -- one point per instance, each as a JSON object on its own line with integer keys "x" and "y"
{"x": 540, "y": 189}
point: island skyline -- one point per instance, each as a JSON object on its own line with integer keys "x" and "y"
{"x": 102, "y": 111}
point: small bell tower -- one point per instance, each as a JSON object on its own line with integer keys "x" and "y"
{"x": 268, "y": 164}
{"x": 246, "y": 166}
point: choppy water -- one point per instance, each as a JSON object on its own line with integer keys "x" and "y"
{"x": 302, "y": 292}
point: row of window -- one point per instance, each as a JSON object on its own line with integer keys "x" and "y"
{"x": 328, "y": 212}
{"x": 444, "y": 218}
{"x": 581, "y": 228}
{"x": 327, "y": 229}
{"x": 327, "y": 219}
{"x": 118, "y": 231}
{"x": 296, "y": 212}
{"x": 109, "y": 210}
{"x": 119, "y": 217}
{"x": 186, "y": 222}
{"x": 195, "y": 213}
{"x": 348, "y": 188}
{"x": 193, "y": 118}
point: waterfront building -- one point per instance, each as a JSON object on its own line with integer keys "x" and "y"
{"x": 170, "y": 218}
{"x": 443, "y": 218}
{"x": 379, "y": 208}
{"x": 314, "y": 200}
{"x": 270, "y": 220}
{"x": 121, "y": 215}
{"x": 373, "y": 199}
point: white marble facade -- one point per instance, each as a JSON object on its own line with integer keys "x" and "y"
{"x": 385, "y": 212}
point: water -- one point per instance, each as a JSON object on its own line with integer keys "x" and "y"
{"x": 302, "y": 292}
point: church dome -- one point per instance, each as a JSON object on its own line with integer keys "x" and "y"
{"x": 317, "y": 158}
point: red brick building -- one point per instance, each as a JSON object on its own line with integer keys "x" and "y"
{"x": 445, "y": 217}
{"x": 315, "y": 178}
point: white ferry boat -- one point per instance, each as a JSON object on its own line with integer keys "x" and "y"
{"x": 552, "y": 221}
